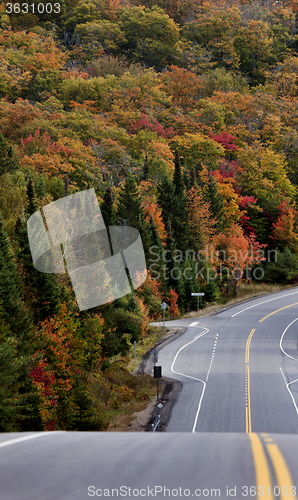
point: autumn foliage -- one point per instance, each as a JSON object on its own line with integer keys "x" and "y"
{"x": 182, "y": 116}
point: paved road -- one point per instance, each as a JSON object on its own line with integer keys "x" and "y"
{"x": 239, "y": 368}
{"x": 78, "y": 466}
{"x": 239, "y": 371}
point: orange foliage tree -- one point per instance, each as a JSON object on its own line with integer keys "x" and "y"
{"x": 285, "y": 230}
{"x": 200, "y": 222}
{"x": 173, "y": 308}
{"x": 233, "y": 253}
{"x": 151, "y": 295}
{"x": 182, "y": 85}
{"x": 152, "y": 210}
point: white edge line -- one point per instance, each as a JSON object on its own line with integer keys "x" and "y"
{"x": 193, "y": 378}
{"x": 259, "y": 303}
{"x": 281, "y": 339}
{"x": 26, "y": 438}
{"x": 199, "y": 408}
{"x": 289, "y": 390}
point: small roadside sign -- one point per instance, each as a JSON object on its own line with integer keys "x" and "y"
{"x": 163, "y": 305}
{"x": 197, "y": 294}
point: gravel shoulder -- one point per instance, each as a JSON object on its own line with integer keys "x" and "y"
{"x": 169, "y": 392}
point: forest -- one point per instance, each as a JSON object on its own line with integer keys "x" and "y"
{"x": 182, "y": 116}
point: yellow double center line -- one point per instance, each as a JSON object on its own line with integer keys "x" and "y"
{"x": 247, "y": 374}
{"x": 277, "y": 310}
{"x": 286, "y": 488}
{"x": 247, "y": 383}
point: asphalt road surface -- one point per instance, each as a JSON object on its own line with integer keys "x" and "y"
{"x": 232, "y": 432}
{"x": 239, "y": 368}
{"x": 77, "y": 466}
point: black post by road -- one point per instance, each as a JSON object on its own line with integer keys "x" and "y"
{"x": 157, "y": 375}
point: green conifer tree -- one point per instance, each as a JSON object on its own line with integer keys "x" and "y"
{"x": 212, "y": 194}
{"x": 178, "y": 178}
{"x": 130, "y": 211}
{"x": 32, "y": 205}
{"x": 42, "y": 289}
{"x": 8, "y": 161}
{"x": 189, "y": 178}
{"x": 192, "y": 177}
{"x": 155, "y": 260}
{"x": 145, "y": 169}
{"x": 82, "y": 418}
{"x": 11, "y": 290}
{"x": 174, "y": 209}
{"x": 107, "y": 208}
{"x": 172, "y": 267}
{"x": 66, "y": 185}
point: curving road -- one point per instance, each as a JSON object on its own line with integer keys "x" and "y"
{"x": 234, "y": 425}
{"x": 239, "y": 368}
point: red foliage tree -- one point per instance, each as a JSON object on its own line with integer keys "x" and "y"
{"x": 226, "y": 140}
{"x": 173, "y": 309}
{"x": 143, "y": 123}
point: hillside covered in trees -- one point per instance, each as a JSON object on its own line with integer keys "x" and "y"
{"x": 182, "y": 115}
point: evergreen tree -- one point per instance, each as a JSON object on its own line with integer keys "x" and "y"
{"x": 21, "y": 399}
{"x": 174, "y": 209}
{"x": 9, "y": 367}
{"x": 32, "y": 205}
{"x": 82, "y": 418}
{"x": 107, "y": 208}
{"x": 155, "y": 238}
{"x": 155, "y": 264}
{"x": 8, "y": 161}
{"x": 189, "y": 178}
{"x": 212, "y": 194}
{"x": 66, "y": 185}
{"x": 130, "y": 211}
{"x": 172, "y": 267}
{"x": 190, "y": 271}
{"x": 11, "y": 290}
{"x": 167, "y": 199}
{"x": 145, "y": 169}
{"x": 170, "y": 253}
{"x": 18, "y": 399}
{"x": 42, "y": 290}
{"x": 192, "y": 177}
{"x": 177, "y": 178}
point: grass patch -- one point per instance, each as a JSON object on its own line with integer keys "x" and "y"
{"x": 144, "y": 345}
{"x": 245, "y": 292}
{"x": 120, "y": 422}
{"x": 119, "y": 394}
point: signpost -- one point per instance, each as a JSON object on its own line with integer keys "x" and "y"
{"x": 197, "y": 294}
{"x": 163, "y": 305}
